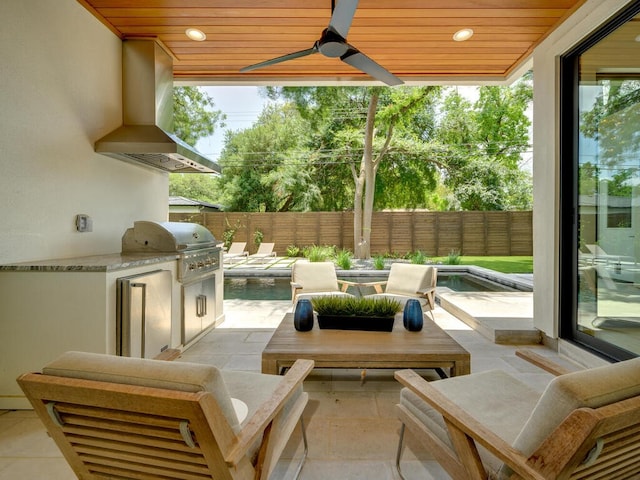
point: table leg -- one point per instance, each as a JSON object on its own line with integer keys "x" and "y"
{"x": 270, "y": 366}
{"x": 461, "y": 367}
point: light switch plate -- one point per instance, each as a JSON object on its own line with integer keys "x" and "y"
{"x": 84, "y": 223}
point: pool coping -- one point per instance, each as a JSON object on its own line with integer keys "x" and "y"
{"x": 520, "y": 282}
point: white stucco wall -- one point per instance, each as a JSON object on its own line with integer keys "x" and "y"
{"x": 60, "y": 91}
{"x": 546, "y": 159}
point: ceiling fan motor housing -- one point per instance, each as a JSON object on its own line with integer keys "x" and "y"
{"x": 331, "y": 44}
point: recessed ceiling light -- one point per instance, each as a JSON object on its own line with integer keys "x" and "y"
{"x": 195, "y": 34}
{"x": 462, "y": 35}
{"x": 638, "y": 38}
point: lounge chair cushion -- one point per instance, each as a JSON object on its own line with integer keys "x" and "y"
{"x": 590, "y": 388}
{"x": 316, "y": 276}
{"x": 498, "y": 400}
{"x": 181, "y": 376}
{"x": 255, "y": 388}
{"x": 408, "y": 279}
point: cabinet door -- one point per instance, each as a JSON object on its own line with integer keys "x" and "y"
{"x": 198, "y": 308}
{"x": 208, "y": 302}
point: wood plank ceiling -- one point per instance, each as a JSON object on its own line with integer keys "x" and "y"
{"x": 411, "y": 38}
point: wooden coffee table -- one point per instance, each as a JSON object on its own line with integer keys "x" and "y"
{"x": 432, "y": 347}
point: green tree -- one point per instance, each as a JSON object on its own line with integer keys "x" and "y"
{"x": 267, "y": 167}
{"x": 482, "y": 145}
{"x": 361, "y": 127}
{"x": 197, "y": 187}
{"x": 194, "y": 114}
{"x": 194, "y": 117}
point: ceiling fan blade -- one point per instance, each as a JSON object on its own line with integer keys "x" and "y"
{"x": 284, "y": 58}
{"x": 342, "y": 16}
{"x": 360, "y": 61}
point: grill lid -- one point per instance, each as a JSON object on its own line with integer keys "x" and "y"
{"x": 171, "y": 237}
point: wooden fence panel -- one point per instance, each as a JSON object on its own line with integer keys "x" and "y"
{"x": 498, "y": 233}
{"x": 433, "y": 233}
{"x": 401, "y": 235}
{"x": 521, "y": 233}
{"x": 284, "y": 225}
{"x": 474, "y": 234}
{"x": 449, "y": 233}
{"x": 425, "y": 232}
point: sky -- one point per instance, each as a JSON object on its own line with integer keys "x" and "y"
{"x": 242, "y": 105}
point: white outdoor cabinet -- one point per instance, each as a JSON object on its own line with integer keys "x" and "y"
{"x": 52, "y": 307}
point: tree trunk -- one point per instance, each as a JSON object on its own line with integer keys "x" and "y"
{"x": 363, "y": 207}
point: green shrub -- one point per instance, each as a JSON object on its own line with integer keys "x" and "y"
{"x": 258, "y": 236}
{"x": 355, "y": 306}
{"x": 378, "y": 262}
{"x": 343, "y": 259}
{"x": 418, "y": 258}
{"x": 453, "y": 258}
{"x": 319, "y": 253}
{"x": 293, "y": 251}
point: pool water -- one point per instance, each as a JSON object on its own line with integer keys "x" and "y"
{"x": 270, "y": 288}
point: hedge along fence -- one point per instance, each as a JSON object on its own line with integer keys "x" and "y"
{"x": 433, "y": 233}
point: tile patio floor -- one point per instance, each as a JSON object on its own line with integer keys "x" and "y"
{"x": 352, "y": 428}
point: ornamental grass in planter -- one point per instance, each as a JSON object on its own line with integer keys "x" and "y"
{"x": 356, "y": 313}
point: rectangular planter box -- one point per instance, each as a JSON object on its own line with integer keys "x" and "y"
{"x": 370, "y": 324}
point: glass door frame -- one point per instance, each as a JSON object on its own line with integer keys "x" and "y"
{"x": 568, "y": 220}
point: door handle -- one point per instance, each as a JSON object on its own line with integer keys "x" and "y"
{"x": 201, "y": 305}
{"x": 143, "y": 313}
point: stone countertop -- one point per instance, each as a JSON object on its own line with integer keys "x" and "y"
{"x": 93, "y": 263}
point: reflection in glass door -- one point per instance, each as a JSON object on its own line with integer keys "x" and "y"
{"x": 608, "y": 192}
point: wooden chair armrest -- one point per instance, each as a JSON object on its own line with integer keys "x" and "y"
{"x": 426, "y": 291}
{"x": 542, "y": 362}
{"x": 346, "y": 284}
{"x": 377, "y": 285}
{"x": 458, "y": 419}
{"x": 257, "y": 424}
{"x": 371, "y": 284}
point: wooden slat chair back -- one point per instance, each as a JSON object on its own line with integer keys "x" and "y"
{"x": 115, "y": 430}
{"x": 490, "y": 425}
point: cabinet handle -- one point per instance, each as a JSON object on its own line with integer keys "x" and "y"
{"x": 201, "y": 305}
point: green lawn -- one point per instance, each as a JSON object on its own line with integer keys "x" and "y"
{"x": 514, "y": 264}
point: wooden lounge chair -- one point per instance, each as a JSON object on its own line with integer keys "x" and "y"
{"x": 265, "y": 251}
{"x": 313, "y": 279}
{"x": 407, "y": 281}
{"x": 236, "y": 251}
{"x": 131, "y": 418}
{"x": 585, "y": 425}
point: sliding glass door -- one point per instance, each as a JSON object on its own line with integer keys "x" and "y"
{"x": 600, "y": 190}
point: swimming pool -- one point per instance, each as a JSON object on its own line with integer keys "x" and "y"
{"x": 279, "y": 288}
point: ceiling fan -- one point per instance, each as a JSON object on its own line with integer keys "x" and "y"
{"x": 333, "y": 43}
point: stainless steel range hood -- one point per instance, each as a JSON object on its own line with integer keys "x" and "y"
{"x": 147, "y": 93}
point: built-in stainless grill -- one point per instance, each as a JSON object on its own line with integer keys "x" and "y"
{"x": 195, "y": 245}
{"x": 198, "y": 269}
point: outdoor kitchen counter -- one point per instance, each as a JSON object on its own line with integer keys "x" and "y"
{"x": 93, "y": 263}
{"x": 49, "y": 307}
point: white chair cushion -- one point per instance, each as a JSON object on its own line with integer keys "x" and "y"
{"x": 590, "y": 388}
{"x": 499, "y": 401}
{"x": 407, "y": 279}
{"x": 181, "y": 376}
{"x": 315, "y": 276}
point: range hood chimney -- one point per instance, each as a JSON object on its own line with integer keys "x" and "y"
{"x": 147, "y": 95}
